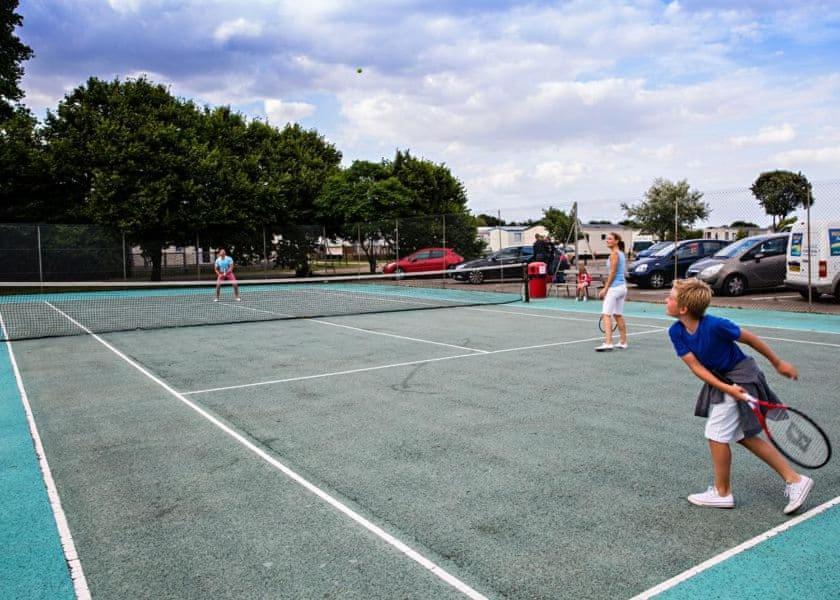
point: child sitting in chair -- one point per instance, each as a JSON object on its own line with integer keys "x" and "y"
{"x": 584, "y": 280}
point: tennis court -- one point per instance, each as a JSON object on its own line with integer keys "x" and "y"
{"x": 481, "y": 450}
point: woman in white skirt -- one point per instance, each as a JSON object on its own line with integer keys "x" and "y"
{"x": 613, "y": 295}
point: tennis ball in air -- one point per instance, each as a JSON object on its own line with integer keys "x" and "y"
{"x": 358, "y": 69}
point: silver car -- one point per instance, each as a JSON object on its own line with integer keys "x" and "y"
{"x": 750, "y": 263}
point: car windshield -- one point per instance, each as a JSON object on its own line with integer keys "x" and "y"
{"x": 735, "y": 248}
{"x": 654, "y": 247}
{"x": 665, "y": 251}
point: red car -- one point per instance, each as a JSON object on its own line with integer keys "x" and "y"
{"x": 425, "y": 259}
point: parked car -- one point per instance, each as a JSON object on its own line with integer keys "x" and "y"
{"x": 822, "y": 259}
{"x": 655, "y": 247}
{"x": 657, "y": 270}
{"x": 750, "y": 263}
{"x": 505, "y": 259}
{"x": 425, "y": 259}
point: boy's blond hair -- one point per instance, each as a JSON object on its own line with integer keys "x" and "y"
{"x": 694, "y": 295}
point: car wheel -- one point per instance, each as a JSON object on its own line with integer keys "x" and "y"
{"x": 476, "y": 276}
{"x": 804, "y": 294}
{"x": 658, "y": 280}
{"x": 735, "y": 285}
{"x": 837, "y": 292}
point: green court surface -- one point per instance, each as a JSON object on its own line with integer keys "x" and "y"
{"x": 478, "y": 451}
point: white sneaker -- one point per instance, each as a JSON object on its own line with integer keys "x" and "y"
{"x": 215, "y": 299}
{"x": 798, "y": 493}
{"x": 604, "y": 348}
{"x": 585, "y": 298}
{"x": 621, "y": 346}
{"x": 238, "y": 299}
{"x": 711, "y": 498}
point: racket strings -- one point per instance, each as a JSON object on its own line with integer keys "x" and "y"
{"x": 797, "y": 436}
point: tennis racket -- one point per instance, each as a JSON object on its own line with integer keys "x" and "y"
{"x": 601, "y": 324}
{"x": 793, "y": 433}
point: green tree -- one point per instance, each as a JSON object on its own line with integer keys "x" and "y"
{"x": 362, "y": 203}
{"x": 559, "y": 224}
{"x": 485, "y": 220}
{"x": 12, "y": 53}
{"x": 780, "y": 192}
{"x": 656, "y": 213}
{"x": 22, "y": 169}
{"x": 435, "y": 191}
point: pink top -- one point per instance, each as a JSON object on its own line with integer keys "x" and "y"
{"x": 584, "y": 278}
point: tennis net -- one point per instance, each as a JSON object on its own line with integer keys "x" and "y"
{"x": 52, "y": 309}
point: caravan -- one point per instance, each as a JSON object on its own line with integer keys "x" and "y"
{"x": 820, "y": 258}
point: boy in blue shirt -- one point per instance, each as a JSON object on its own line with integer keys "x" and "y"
{"x": 707, "y": 346}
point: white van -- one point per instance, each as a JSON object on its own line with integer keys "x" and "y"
{"x": 821, "y": 257}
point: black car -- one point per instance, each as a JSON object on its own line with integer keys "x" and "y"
{"x": 657, "y": 270}
{"x": 650, "y": 250}
{"x": 508, "y": 263}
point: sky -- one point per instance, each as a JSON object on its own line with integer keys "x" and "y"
{"x": 530, "y": 104}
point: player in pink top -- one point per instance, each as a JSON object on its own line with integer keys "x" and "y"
{"x": 584, "y": 280}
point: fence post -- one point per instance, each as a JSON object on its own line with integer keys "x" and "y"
{"x": 125, "y": 258}
{"x": 197, "y": 256}
{"x": 265, "y": 254}
{"x": 809, "y": 251}
{"x": 40, "y": 259}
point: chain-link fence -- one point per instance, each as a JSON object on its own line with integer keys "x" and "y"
{"x": 789, "y": 261}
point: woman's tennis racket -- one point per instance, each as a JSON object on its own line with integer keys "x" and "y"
{"x": 601, "y": 324}
{"x": 794, "y": 433}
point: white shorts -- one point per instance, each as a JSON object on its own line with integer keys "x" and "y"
{"x": 723, "y": 424}
{"x": 614, "y": 300}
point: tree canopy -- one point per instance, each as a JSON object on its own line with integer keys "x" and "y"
{"x": 656, "y": 213}
{"x": 780, "y": 193}
{"x": 13, "y": 52}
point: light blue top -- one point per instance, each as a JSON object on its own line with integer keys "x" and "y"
{"x": 224, "y": 264}
{"x": 619, "y": 272}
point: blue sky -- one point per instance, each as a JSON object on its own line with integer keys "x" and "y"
{"x": 530, "y": 104}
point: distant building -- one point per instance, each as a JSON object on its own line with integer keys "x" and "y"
{"x": 503, "y": 236}
{"x": 730, "y": 234}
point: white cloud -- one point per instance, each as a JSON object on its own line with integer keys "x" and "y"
{"x": 559, "y": 173}
{"x": 279, "y": 113}
{"x": 238, "y": 28}
{"x": 767, "y": 135}
{"x": 804, "y": 156}
{"x": 125, "y": 6}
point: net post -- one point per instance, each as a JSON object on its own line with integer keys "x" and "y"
{"x": 526, "y": 294}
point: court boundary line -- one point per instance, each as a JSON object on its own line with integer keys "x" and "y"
{"x": 71, "y": 556}
{"x": 569, "y": 310}
{"x": 708, "y": 564}
{"x": 392, "y": 541}
{"x": 368, "y": 331}
{"x": 407, "y": 363}
{"x": 510, "y": 312}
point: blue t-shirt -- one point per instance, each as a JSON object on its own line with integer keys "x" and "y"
{"x": 224, "y": 264}
{"x": 619, "y": 272}
{"x": 713, "y": 343}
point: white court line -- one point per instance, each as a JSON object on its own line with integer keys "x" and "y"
{"x": 405, "y": 364}
{"x": 335, "y": 503}
{"x": 685, "y": 575}
{"x": 74, "y": 565}
{"x": 368, "y": 331}
{"x": 524, "y": 314}
{"x": 800, "y": 341}
{"x": 666, "y": 318}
